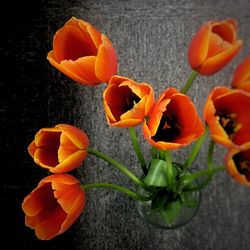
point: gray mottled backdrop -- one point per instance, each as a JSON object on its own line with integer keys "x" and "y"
{"x": 151, "y": 40}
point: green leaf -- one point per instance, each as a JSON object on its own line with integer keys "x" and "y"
{"x": 171, "y": 211}
{"x": 159, "y": 200}
{"x": 157, "y": 174}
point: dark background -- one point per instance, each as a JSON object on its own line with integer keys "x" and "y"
{"x": 151, "y": 40}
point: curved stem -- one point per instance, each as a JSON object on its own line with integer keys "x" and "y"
{"x": 154, "y": 152}
{"x": 124, "y": 190}
{"x": 196, "y": 149}
{"x": 119, "y": 166}
{"x": 137, "y": 149}
{"x": 190, "y": 177}
{"x": 189, "y": 82}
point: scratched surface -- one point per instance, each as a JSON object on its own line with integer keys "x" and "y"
{"x": 151, "y": 39}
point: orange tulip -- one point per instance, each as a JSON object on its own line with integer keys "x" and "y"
{"x": 241, "y": 78}
{"x": 174, "y": 121}
{"x": 126, "y": 102}
{"x": 227, "y": 113}
{"x": 238, "y": 164}
{"x": 59, "y": 149}
{"x": 82, "y": 53}
{"x": 52, "y": 207}
{"x": 213, "y": 46}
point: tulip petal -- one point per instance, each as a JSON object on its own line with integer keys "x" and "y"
{"x": 106, "y": 61}
{"x": 156, "y": 115}
{"x": 51, "y": 226}
{"x": 215, "y": 63}
{"x": 74, "y": 213}
{"x": 36, "y": 201}
{"x": 32, "y": 148}
{"x": 94, "y": 33}
{"x": 198, "y": 49}
{"x": 137, "y": 112}
{"x": 64, "y": 70}
{"x": 72, "y": 162}
{"x": 126, "y": 123}
{"x": 58, "y": 179}
{"x": 242, "y": 74}
{"x": 66, "y": 148}
{"x": 245, "y": 86}
{"x": 67, "y": 199}
{"x": 46, "y": 158}
{"x": 84, "y": 67}
{"x": 77, "y": 136}
{"x": 230, "y": 162}
{"x": 70, "y": 43}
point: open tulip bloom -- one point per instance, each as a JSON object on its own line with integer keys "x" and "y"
{"x": 171, "y": 122}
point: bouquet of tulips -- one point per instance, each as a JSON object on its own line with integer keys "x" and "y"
{"x": 169, "y": 122}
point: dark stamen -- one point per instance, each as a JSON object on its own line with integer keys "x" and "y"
{"x": 228, "y": 123}
{"x": 242, "y": 164}
{"x": 168, "y": 129}
{"x": 130, "y": 101}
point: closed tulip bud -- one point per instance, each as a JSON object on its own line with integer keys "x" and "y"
{"x": 82, "y": 53}
{"x": 213, "y": 46}
{"x": 59, "y": 149}
{"x": 52, "y": 207}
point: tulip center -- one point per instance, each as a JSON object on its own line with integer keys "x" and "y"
{"x": 168, "y": 129}
{"x": 227, "y": 121}
{"x": 242, "y": 163}
{"x": 123, "y": 100}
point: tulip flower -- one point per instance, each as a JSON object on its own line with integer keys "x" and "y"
{"x": 227, "y": 113}
{"x": 174, "y": 121}
{"x": 127, "y": 102}
{"x": 59, "y": 149}
{"x": 241, "y": 78}
{"x": 238, "y": 164}
{"x": 82, "y": 53}
{"x": 52, "y": 207}
{"x": 213, "y": 46}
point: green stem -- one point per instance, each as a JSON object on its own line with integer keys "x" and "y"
{"x": 138, "y": 150}
{"x": 196, "y": 149}
{"x": 189, "y": 82}
{"x": 168, "y": 159}
{"x": 210, "y": 166}
{"x": 124, "y": 190}
{"x": 210, "y": 154}
{"x": 187, "y": 178}
{"x": 154, "y": 152}
{"x": 118, "y": 165}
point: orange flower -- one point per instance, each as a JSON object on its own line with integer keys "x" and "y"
{"x": 126, "y": 102}
{"x": 174, "y": 121}
{"x": 227, "y": 113}
{"x": 241, "y": 78}
{"x": 82, "y": 53}
{"x": 52, "y": 207}
{"x": 213, "y": 46}
{"x": 59, "y": 149}
{"x": 238, "y": 164}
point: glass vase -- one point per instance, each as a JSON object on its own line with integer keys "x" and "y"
{"x": 156, "y": 219}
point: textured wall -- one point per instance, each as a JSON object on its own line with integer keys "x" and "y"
{"x": 151, "y": 39}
